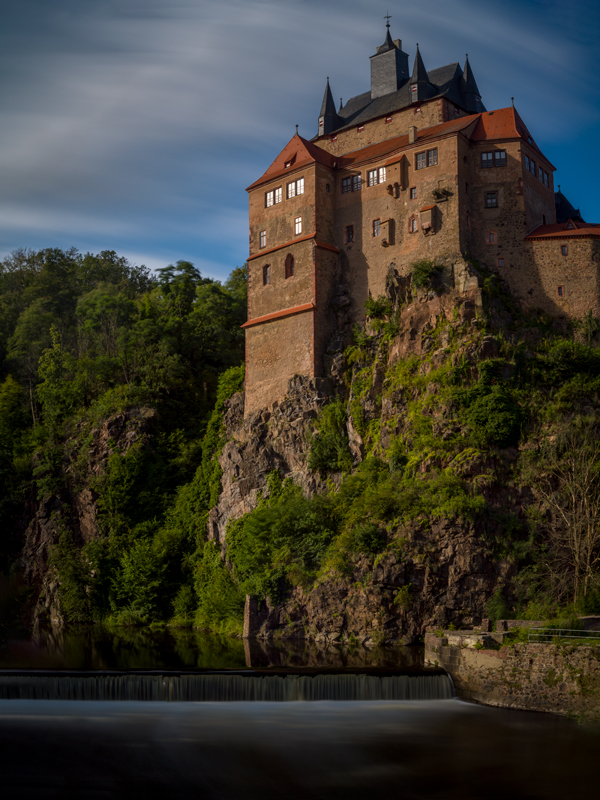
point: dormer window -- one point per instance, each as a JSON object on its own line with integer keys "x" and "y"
{"x": 288, "y": 164}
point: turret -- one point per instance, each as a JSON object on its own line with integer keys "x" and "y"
{"x": 470, "y": 91}
{"x": 328, "y": 118}
{"x": 420, "y": 87}
{"x": 389, "y": 67}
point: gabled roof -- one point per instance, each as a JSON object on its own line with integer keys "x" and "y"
{"x": 565, "y": 230}
{"x": 298, "y": 152}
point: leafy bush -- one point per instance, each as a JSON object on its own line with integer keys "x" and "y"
{"x": 496, "y": 418}
{"x": 329, "y": 450}
{"x": 426, "y": 274}
{"x": 220, "y": 601}
{"x": 378, "y": 307}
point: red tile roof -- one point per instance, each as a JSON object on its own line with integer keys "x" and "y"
{"x": 501, "y": 124}
{"x": 298, "y": 152}
{"x": 561, "y": 230}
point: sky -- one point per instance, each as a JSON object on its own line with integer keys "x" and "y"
{"x": 136, "y": 125}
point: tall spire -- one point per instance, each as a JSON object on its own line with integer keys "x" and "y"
{"x": 470, "y": 89}
{"x": 328, "y": 118}
{"x": 420, "y": 87}
{"x": 419, "y": 74}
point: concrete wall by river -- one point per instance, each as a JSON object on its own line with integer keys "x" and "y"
{"x": 562, "y": 679}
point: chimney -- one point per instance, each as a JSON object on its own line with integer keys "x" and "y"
{"x": 412, "y": 134}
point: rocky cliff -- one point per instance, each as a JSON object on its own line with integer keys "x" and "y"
{"x": 432, "y": 572}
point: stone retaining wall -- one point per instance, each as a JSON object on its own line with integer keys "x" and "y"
{"x": 561, "y": 679}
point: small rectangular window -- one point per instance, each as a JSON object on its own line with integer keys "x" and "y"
{"x": 560, "y": 290}
{"x": 291, "y": 190}
{"x": 346, "y": 185}
{"x": 263, "y": 239}
{"x": 564, "y": 250}
{"x": 278, "y": 194}
{"x": 360, "y": 128}
{"x": 487, "y": 160}
{"x": 381, "y": 175}
{"x": 500, "y": 262}
{"x": 298, "y": 225}
{"x": 527, "y": 163}
{"x": 300, "y": 186}
{"x": 372, "y": 177}
{"x": 413, "y": 225}
{"x": 388, "y": 119}
{"x": 491, "y": 199}
{"x": 356, "y": 183}
{"x": 413, "y": 193}
{"x": 491, "y": 237}
{"x": 376, "y": 227}
{"x": 432, "y": 157}
{"x": 499, "y": 158}
{"x": 269, "y": 199}
{"x": 421, "y": 161}
{"x": 349, "y": 234}
{"x": 541, "y": 174}
{"x": 427, "y": 159}
{"x": 532, "y": 162}
{"x": 546, "y": 181}
{"x": 266, "y": 274}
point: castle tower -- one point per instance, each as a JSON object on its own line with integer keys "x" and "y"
{"x": 389, "y": 67}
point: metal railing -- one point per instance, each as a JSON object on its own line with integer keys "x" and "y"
{"x": 548, "y": 635}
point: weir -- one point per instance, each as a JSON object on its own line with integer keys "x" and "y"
{"x": 224, "y": 687}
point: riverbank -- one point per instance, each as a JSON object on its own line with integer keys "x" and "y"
{"x": 556, "y": 678}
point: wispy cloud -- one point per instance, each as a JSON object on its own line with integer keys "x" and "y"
{"x": 143, "y": 120}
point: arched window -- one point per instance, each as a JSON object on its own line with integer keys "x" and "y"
{"x": 266, "y": 274}
{"x": 289, "y": 266}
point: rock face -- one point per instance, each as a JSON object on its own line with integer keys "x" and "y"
{"x": 443, "y": 576}
{"x": 273, "y": 439}
{"x": 429, "y": 576}
{"x": 73, "y": 505}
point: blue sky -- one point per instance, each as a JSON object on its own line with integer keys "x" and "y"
{"x": 135, "y": 125}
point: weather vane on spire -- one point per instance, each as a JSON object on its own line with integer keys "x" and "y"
{"x": 388, "y": 17}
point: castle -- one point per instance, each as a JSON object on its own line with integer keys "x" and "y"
{"x": 416, "y": 168}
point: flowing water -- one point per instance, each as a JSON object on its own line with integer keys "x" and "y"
{"x": 377, "y": 725}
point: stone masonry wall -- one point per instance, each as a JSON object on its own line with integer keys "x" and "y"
{"x": 423, "y": 115}
{"x": 560, "y": 679}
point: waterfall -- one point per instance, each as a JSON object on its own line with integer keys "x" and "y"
{"x": 223, "y": 687}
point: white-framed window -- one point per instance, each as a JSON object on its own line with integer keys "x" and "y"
{"x": 263, "y": 239}
{"x": 274, "y": 196}
{"x": 375, "y": 176}
{"x": 356, "y": 183}
{"x": 493, "y": 158}
{"x": 429, "y": 158}
{"x": 491, "y": 199}
{"x": 376, "y": 227}
{"x": 412, "y": 192}
{"x": 298, "y": 225}
{"x": 294, "y": 188}
{"x": 413, "y": 225}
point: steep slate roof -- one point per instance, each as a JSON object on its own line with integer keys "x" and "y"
{"x": 561, "y": 230}
{"x": 447, "y": 81}
{"x": 300, "y": 153}
{"x": 564, "y": 210}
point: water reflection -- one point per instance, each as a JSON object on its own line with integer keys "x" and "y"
{"x": 102, "y": 648}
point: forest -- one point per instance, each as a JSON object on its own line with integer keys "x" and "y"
{"x": 494, "y": 426}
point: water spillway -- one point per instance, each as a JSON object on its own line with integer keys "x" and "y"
{"x": 224, "y": 687}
